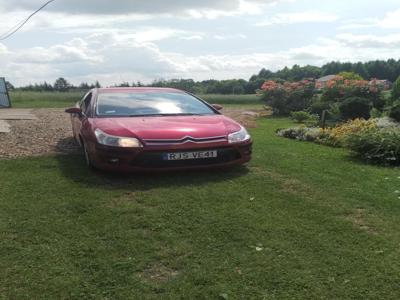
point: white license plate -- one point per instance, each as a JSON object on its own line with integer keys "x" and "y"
{"x": 191, "y": 155}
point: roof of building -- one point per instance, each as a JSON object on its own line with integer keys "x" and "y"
{"x": 326, "y": 78}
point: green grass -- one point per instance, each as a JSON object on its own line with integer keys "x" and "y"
{"x": 302, "y": 221}
{"x": 44, "y": 99}
{"x": 231, "y": 99}
{"x": 62, "y": 100}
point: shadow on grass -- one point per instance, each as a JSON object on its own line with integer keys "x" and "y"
{"x": 73, "y": 167}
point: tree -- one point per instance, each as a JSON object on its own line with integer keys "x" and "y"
{"x": 396, "y": 90}
{"x": 350, "y": 75}
{"x": 61, "y": 85}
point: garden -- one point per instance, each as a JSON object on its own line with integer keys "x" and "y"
{"x": 299, "y": 221}
{"x": 346, "y": 111}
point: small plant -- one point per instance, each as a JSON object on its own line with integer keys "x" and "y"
{"x": 301, "y": 116}
{"x": 355, "y": 107}
{"x": 375, "y": 113}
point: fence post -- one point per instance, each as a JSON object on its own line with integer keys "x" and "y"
{"x": 323, "y": 119}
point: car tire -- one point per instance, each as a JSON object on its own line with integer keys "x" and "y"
{"x": 89, "y": 162}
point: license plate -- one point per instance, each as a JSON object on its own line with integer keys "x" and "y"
{"x": 191, "y": 155}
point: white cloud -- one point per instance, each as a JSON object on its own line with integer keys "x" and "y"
{"x": 114, "y": 58}
{"x": 299, "y": 17}
{"x": 370, "y": 41}
{"x": 389, "y": 21}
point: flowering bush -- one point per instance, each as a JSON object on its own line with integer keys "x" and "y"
{"x": 288, "y": 96}
{"x": 301, "y": 133}
{"x": 335, "y": 136}
{"x": 338, "y": 89}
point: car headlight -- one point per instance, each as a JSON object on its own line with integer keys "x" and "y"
{"x": 240, "y": 136}
{"x": 116, "y": 141}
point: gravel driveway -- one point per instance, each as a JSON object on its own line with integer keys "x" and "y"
{"x": 51, "y": 133}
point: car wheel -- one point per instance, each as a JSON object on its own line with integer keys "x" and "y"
{"x": 88, "y": 160}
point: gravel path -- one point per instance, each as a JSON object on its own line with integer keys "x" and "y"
{"x": 51, "y": 133}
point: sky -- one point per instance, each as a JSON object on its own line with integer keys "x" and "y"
{"x": 116, "y": 41}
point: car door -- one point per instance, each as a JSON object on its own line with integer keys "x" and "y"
{"x": 79, "y": 120}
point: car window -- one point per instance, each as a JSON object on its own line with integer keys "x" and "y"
{"x": 150, "y": 103}
{"x": 85, "y": 103}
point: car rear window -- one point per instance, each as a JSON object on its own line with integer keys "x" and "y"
{"x": 150, "y": 104}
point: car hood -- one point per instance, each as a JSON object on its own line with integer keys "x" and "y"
{"x": 174, "y": 127}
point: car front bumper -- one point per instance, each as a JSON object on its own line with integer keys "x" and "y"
{"x": 151, "y": 158}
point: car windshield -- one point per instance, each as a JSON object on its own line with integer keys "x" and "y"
{"x": 150, "y": 104}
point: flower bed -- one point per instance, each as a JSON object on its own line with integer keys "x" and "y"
{"x": 374, "y": 140}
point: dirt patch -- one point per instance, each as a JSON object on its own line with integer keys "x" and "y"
{"x": 245, "y": 117}
{"x": 357, "y": 217}
{"x": 51, "y": 133}
{"x": 158, "y": 274}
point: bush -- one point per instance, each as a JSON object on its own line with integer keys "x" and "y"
{"x": 350, "y": 76}
{"x": 318, "y": 106}
{"x": 376, "y": 145}
{"x": 302, "y": 133}
{"x": 375, "y": 113}
{"x": 355, "y": 107}
{"x": 394, "y": 112}
{"x": 301, "y": 116}
{"x": 396, "y": 90}
{"x": 287, "y": 96}
{"x": 338, "y": 89}
{"x": 335, "y": 136}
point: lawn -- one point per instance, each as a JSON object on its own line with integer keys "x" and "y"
{"x": 44, "y": 99}
{"x": 301, "y": 221}
{"x": 62, "y": 100}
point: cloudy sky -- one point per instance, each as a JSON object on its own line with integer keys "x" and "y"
{"x": 130, "y": 40}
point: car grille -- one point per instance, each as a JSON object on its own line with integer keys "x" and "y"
{"x": 155, "y": 159}
{"x": 186, "y": 139}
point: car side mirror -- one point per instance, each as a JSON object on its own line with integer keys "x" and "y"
{"x": 217, "y": 106}
{"x": 74, "y": 110}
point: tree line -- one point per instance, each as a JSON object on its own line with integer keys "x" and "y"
{"x": 381, "y": 69}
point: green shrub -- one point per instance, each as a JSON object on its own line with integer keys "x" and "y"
{"x": 376, "y": 113}
{"x": 394, "y": 112}
{"x": 301, "y": 116}
{"x": 376, "y": 145}
{"x": 355, "y": 107}
{"x": 396, "y": 90}
{"x": 318, "y": 106}
{"x": 350, "y": 76}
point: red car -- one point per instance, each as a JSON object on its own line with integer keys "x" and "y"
{"x": 137, "y": 129}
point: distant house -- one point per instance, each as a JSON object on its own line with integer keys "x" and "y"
{"x": 321, "y": 82}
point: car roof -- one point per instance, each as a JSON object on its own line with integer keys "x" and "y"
{"x": 138, "y": 90}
